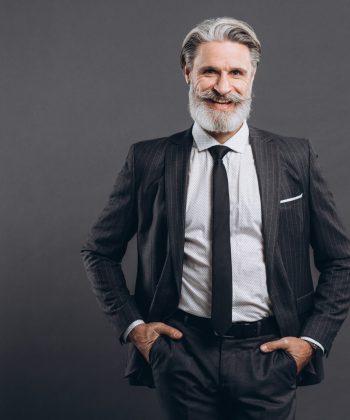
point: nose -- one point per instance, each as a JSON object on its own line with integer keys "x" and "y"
{"x": 223, "y": 85}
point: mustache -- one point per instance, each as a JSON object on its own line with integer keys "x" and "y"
{"x": 214, "y": 96}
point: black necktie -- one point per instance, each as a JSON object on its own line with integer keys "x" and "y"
{"x": 221, "y": 314}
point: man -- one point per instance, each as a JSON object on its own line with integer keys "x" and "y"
{"x": 224, "y": 322}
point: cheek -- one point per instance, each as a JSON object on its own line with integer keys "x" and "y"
{"x": 245, "y": 85}
{"x": 203, "y": 85}
{"x": 242, "y": 86}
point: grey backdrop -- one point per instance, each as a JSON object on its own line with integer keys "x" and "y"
{"x": 79, "y": 82}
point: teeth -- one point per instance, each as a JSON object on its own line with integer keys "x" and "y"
{"x": 219, "y": 102}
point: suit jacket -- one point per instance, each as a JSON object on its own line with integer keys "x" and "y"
{"x": 149, "y": 198}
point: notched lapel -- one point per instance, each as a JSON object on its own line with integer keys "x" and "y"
{"x": 176, "y": 181}
{"x": 267, "y": 163}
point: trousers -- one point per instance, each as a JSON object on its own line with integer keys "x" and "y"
{"x": 203, "y": 376}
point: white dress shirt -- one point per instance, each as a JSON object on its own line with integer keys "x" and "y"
{"x": 250, "y": 299}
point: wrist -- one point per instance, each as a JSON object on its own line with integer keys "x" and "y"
{"x": 134, "y": 332}
{"x": 126, "y": 333}
{"x": 314, "y": 347}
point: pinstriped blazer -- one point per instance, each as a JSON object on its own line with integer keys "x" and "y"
{"x": 298, "y": 210}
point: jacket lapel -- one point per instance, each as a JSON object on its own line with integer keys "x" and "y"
{"x": 267, "y": 164}
{"x": 176, "y": 181}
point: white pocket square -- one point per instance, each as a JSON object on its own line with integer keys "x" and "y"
{"x": 286, "y": 200}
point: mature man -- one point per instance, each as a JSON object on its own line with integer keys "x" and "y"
{"x": 224, "y": 322}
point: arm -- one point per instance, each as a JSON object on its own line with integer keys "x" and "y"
{"x": 102, "y": 256}
{"x": 106, "y": 245}
{"x": 332, "y": 259}
{"x": 130, "y": 328}
{"x": 331, "y": 248}
{"x": 313, "y": 343}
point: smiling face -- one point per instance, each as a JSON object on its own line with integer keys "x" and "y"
{"x": 220, "y": 85}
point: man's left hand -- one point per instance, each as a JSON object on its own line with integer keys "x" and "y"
{"x": 300, "y": 350}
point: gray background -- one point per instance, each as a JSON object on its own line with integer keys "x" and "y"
{"x": 79, "y": 82}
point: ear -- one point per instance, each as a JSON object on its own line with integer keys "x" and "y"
{"x": 187, "y": 74}
{"x": 253, "y": 74}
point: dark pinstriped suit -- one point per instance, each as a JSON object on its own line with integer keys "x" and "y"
{"x": 148, "y": 198}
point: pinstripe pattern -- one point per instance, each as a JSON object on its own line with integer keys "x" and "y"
{"x": 177, "y": 164}
{"x": 267, "y": 161}
{"x": 149, "y": 199}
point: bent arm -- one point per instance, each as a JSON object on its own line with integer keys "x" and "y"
{"x": 331, "y": 248}
{"x": 106, "y": 245}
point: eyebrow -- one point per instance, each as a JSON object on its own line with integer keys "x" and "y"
{"x": 205, "y": 68}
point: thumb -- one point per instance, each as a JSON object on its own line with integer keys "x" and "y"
{"x": 172, "y": 332}
{"x": 273, "y": 345}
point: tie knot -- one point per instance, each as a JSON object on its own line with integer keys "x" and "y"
{"x": 218, "y": 152}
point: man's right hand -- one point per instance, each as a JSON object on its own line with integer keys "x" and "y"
{"x": 144, "y": 335}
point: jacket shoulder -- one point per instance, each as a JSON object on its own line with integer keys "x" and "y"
{"x": 284, "y": 141}
{"x": 149, "y": 155}
{"x": 150, "y": 143}
{"x": 156, "y": 147}
{"x": 294, "y": 152}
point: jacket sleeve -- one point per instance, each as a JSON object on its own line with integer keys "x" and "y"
{"x": 331, "y": 247}
{"x": 106, "y": 245}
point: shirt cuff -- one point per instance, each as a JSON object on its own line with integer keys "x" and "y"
{"x": 311, "y": 340}
{"x": 131, "y": 327}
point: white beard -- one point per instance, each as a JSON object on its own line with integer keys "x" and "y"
{"x": 218, "y": 121}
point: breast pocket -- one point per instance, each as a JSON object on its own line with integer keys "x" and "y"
{"x": 285, "y": 202}
{"x": 291, "y": 214}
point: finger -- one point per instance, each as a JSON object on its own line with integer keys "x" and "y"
{"x": 172, "y": 332}
{"x": 274, "y": 345}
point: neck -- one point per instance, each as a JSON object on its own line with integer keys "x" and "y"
{"x": 223, "y": 137}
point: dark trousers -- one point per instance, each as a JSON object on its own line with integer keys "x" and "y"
{"x": 206, "y": 377}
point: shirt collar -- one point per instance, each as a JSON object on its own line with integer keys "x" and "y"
{"x": 236, "y": 143}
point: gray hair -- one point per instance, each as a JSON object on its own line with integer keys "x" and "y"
{"x": 220, "y": 29}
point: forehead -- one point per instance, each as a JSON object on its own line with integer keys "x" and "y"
{"x": 222, "y": 53}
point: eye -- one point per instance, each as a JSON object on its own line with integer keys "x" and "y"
{"x": 236, "y": 72}
{"x": 209, "y": 71}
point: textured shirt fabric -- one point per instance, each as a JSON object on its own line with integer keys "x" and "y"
{"x": 250, "y": 300}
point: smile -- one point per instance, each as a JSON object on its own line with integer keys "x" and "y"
{"x": 220, "y": 102}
